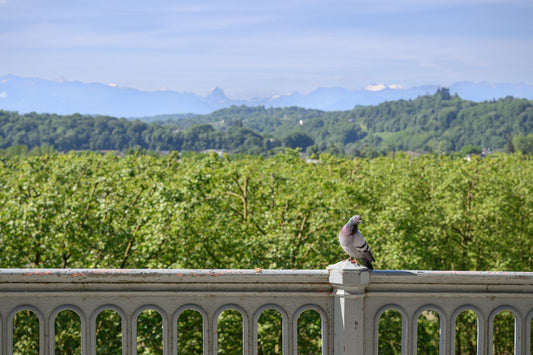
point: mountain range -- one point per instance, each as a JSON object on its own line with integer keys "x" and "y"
{"x": 67, "y": 97}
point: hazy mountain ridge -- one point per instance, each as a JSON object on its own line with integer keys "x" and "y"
{"x": 67, "y": 97}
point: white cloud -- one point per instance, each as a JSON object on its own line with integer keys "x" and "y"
{"x": 3, "y": 95}
{"x": 241, "y": 46}
{"x": 377, "y": 87}
{"x": 395, "y": 87}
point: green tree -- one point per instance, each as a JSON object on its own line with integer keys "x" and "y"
{"x": 470, "y": 149}
{"x": 297, "y": 139}
{"x": 523, "y": 144}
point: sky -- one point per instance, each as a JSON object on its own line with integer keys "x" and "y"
{"x": 262, "y": 48}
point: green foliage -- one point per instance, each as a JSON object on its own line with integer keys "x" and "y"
{"x": 269, "y": 333}
{"x": 390, "y": 333}
{"x": 229, "y": 332}
{"x": 91, "y": 210}
{"x": 22, "y": 151}
{"x": 503, "y": 336}
{"x": 466, "y": 333}
{"x": 438, "y": 123}
{"x": 39, "y": 134}
{"x": 25, "y": 333}
{"x": 190, "y": 339}
{"x": 428, "y": 332}
{"x": 523, "y": 144}
{"x": 297, "y": 139}
{"x": 309, "y": 333}
{"x": 68, "y": 333}
{"x": 149, "y": 333}
{"x": 470, "y": 149}
{"x": 108, "y": 333}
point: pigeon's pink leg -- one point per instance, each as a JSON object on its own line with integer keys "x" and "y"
{"x": 354, "y": 261}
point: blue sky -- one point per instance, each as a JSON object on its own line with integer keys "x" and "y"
{"x": 270, "y": 47}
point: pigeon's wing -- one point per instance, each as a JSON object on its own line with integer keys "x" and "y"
{"x": 365, "y": 255}
{"x": 361, "y": 245}
{"x": 362, "y": 250}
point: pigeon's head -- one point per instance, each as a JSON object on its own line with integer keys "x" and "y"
{"x": 355, "y": 220}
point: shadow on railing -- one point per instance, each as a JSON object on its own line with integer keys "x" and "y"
{"x": 349, "y": 299}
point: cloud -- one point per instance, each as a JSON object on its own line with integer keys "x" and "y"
{"x": 396, "y": 87}
{"x": 377, "y": 87}
{"x": 286, "y": 44}
{"x": 3, "y": 95}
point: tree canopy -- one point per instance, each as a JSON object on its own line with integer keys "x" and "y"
{"x": 93, "y": 210}
{"x": 438, "y": 123}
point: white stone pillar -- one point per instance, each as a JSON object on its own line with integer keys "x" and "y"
{"x": 349, "y": 282}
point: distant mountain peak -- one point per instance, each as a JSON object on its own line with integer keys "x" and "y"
{"x": 217, "y": 99}
{"x": 217, "y": 93}
{"x": 67, "y": 97}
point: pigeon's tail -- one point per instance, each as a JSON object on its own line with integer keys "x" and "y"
{"x": 366, "y": 263}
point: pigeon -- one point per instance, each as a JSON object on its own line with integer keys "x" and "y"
{"x": 354, "y": 244}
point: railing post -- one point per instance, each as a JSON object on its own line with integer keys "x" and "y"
{"x": 349, "y": 282}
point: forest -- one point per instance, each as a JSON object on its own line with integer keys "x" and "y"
{"x": 66, "y": 203}
{"x": 438, "y": 123}
{"x": 103, "y": 211}
{"x": 434, "y": 212}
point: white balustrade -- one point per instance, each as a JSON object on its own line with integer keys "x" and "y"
{"x": 349, "y": 299}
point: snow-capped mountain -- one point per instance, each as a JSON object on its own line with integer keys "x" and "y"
{"x": 67, "y": 97}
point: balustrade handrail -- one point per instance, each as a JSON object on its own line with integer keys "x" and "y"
{"x": 164, "y": 279}
{"x": 349, "y": 298}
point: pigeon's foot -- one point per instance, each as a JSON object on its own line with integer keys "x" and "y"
{"x": 352, "y": 260}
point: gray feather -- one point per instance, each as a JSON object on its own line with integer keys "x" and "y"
{"x": 354, "y": 244}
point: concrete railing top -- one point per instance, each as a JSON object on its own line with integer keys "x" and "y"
{"x": 162, "y": 275}
{"x": 164, "y": 280}
{"x": 342, "y": 272}
{"x": 430, "y": 276}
